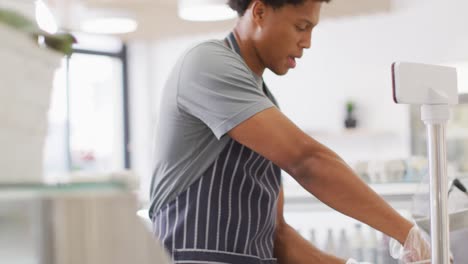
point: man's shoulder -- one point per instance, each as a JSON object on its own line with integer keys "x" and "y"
{"x": 209, "y": 46}
{"x": 211, "y": 52}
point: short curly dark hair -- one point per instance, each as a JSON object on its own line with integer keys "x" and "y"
{"x": 241, "y": 5}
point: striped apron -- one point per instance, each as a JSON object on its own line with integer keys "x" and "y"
{"x": 228, "y": 215}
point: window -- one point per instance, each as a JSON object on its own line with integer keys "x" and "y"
{"x": 88, "y": 118}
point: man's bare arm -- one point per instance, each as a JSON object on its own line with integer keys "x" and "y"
{"x": 292, "y": 248}
{"x": 319, "y": 170}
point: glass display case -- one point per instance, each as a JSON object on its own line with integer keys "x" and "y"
{"x": 76, "y": 223}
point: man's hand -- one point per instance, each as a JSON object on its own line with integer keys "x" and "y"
{"x": 416, "y": 248}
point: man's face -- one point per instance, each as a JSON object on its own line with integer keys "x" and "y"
{"x": 284, "y": 33}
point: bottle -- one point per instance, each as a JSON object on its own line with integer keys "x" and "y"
{"x": 370, "y": 246}
{"x": 383, "y": 251}
{"x": 357, "y": 242}
{"x": 344, "y": 249}
{"x": 312, "y": 237}
{"x": 330, "y": 243}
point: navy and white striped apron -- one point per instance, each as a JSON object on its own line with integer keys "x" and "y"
{"x": 228, "y": 215}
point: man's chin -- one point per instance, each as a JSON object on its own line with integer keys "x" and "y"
{"x": 280, "y": 72}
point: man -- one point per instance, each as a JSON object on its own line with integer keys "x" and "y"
{"x": 221, "y": 141}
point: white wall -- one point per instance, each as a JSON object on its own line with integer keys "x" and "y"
{"x": 141, "y": 114}
{"x": 349, "y": 58}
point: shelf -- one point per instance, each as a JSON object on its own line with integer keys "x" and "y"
{"x": 399, "y": 195}
{"x": 14, "y": 191}
{"x": 458, "y": 133}
{"x": 351, "y": 134}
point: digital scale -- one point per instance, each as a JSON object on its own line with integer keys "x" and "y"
{"x": 435, "y": 89}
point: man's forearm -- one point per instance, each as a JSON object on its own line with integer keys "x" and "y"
{"x": 328, "y": 178}
{"x": 292, "y": 248}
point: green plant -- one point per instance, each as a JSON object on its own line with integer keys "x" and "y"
{"x": 350, "y": 106}
{"x": 350, "y": 120}
{"x": 61, "y": 42}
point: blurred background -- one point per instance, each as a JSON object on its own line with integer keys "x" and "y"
{"x": 100, "y": 100}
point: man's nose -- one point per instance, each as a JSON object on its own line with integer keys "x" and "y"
{"x": 306, "y": 41}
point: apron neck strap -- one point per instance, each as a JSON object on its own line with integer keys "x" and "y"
{"x": 232, "y": 43}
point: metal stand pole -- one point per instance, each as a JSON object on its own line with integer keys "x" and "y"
{"x": 435, "y": 117}
{"x": 435, "y": 88}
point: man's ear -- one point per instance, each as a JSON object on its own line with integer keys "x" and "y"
{"x": 259, "y": 10}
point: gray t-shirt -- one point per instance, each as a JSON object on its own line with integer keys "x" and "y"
{"x": 210, "y": 91}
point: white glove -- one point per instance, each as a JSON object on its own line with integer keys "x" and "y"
{"x": 353, "y": 261}
{"x": 415, "y": 250}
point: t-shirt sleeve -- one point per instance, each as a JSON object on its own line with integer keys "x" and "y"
{"x": 216, "y": 87}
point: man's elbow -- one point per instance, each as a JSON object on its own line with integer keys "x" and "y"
{"x": 302, "y": 166}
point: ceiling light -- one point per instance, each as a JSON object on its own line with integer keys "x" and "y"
{"x": 44, "y": 18}
{"x": 205, "y": 10}
{"x": 109, "y": 25}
